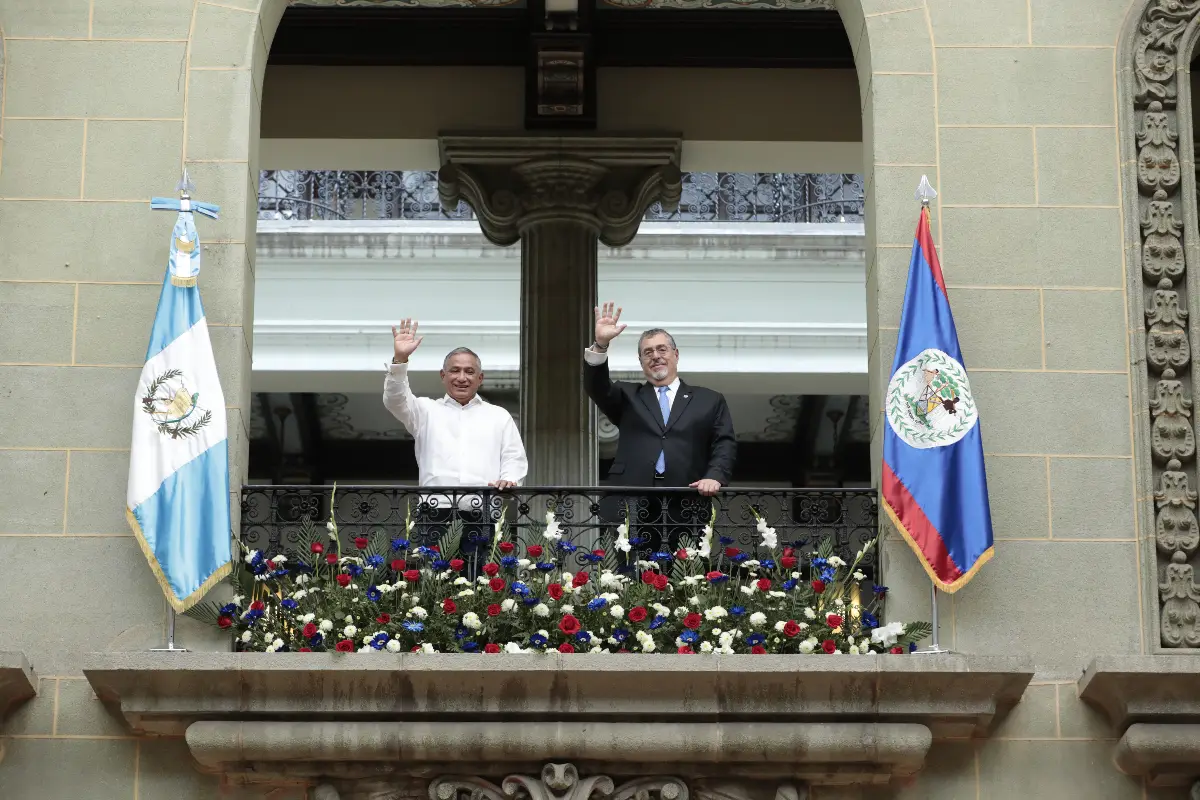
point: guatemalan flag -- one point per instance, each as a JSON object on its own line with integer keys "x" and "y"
{"x": 178, "y": 495}
{"x": 934, "y": 485}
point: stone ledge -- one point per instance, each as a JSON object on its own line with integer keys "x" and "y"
{"x": 17, "y": 682}
{"x": 838, "y": 720}
{"x": 1153, "y": 703}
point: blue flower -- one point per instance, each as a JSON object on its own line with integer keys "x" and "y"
{"x": 373, "y": 594}
{"x": 657, "y": 622}
{"x": 879, "y": 591}
{"x": 412, "y": 626}
{"x": 253, "y": 617}
{"x": 470, "y": 647}
{"x": 377, "y": 644}
{"x": 755, "y": 639}
{"x": 828, "y": 574}
{"x": 818, "y": 562}
{"x": 789, "y": 584}
{"x": 354, "y": 569}
{"x": 428, "y": 552}
{"x": 726, "y": 540}
{"x": 290, "y": 604}
{"x": 636, "y": 540}
{"x": 508, "y": 561}
{"x": 740, "y": 557}
{"x": 519, "y": 589}
{"x": 583, "y": 636}
{"x": 767, "y": 563}
{"x": 531, "y": 601}
{"x": 316, "y": 640}
{"x": 691, "y": 637}
{"x": 566, "y": 546}
{"x": 537, "y": 640}
{"x": 400, "y": 544}
{"x": 441, "y": 564}
{"x": 912, "y": 646}
{"x": 592, "y": 558}
{"x": 544, "y": 566}
{"x": 662, "y": 556}
{"x": 718, "y": 578}
{"x": 375, "y": 560}
{"x": 280, "y": 573}
{"x": 229, "y": 609}
{"x": 620, "y": 634}
{"x": 460, "y": 632}
{"x": 596, "y": 604}
{"x": 737, "y": 611}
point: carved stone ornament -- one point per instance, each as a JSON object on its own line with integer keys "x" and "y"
{"x": 1164, "y": 195}
{"x": 558, "y": 782}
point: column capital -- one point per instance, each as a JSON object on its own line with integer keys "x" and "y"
{"x": 602, "y": 183}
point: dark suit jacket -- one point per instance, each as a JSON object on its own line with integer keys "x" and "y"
{"x": 698, "y": 438}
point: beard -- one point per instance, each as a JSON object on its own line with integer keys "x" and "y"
{"x": 658, "y": 373}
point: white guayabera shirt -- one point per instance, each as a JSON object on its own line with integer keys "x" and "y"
{"x": 456, "y": 445}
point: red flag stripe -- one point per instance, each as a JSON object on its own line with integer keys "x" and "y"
{"x": 925, "y": 239}
{"x": 918, "y": 527}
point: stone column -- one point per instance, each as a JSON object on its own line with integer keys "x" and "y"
{"x": 560, "y": 197}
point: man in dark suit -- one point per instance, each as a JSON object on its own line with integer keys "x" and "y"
{"x": 672, "y": 434}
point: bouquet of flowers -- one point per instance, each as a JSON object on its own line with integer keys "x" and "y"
{"x": 392, "y": 594}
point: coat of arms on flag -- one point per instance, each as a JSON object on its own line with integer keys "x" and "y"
{"x": 934, "y": 486}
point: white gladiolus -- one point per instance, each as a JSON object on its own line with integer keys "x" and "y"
{"x": 553, "y": 529}
{"x": 622, "y": 542}
{"x": 834, "y": 561}
{"x": 769, "y": 539}
{"x": 705, "y": 549}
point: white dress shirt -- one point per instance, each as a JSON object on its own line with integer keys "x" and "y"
{"x": 596, "y": 359}
{"x": 456, "y": 445}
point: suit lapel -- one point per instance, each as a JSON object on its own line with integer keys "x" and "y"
{"x": 650, "y": 398}
{"x": 683, "y": 396}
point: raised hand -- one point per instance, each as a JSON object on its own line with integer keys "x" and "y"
{"x": 405, "y": 340}
{"x": 608, "y": 323}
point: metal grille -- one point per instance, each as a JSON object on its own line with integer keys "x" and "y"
{"x": 412, "y": 195}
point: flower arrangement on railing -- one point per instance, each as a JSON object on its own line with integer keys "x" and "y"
{"x": 397, "y": 596}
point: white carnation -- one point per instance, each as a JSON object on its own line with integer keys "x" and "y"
{"x": 393, "y": 646}
{"x": 541, "y": 610}
{"x": 349, "y": 631}
{"x": 325, "y": 625}
{"x": 471, "y": 620}
{"x": 617, "y": 612}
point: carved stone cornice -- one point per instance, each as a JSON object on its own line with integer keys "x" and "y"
{"x": 1153, "y": 704}
{"x": 603, "y": 184}
{"x": 17, "y": 682}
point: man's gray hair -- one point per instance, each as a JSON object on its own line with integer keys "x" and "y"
{"x": 655, "y": 332}
{"x": 459, "y": 351}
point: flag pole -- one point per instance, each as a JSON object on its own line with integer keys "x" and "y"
{"x": 926, "y": 193}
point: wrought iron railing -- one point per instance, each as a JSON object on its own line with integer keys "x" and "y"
{"x": 660, "y": 521}
{"x": 413, "y": 195}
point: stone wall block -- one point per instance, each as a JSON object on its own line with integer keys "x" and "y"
{"x": 136, "y": 19}
{"x": 226, "y": 284}
{"x": 132, "y": 160}
{"x": 1085, "y": 330}
{"x": 225, "y": 102}
{"x": 56, "y": 768}
{"x": 903, "y": 42}
{"x": 998, "y": 328}
{"x": 1018, "y": 492}
{"x": 227, "y": 39}
{"x": 1017, "y": 770}
{"x": 987, "y": 165}
{"x": 36, "y": 321}
{"x": 66, "y": 406}
{"x": 33, "y": 490}
{"x": 59, "y": 18}
{"x": 80, "y": 712}
{"x": 900, "y": 133}
{"x": 225, "y": 184}
{"x": 1053, "y": 22}
{"x": 113, "y": 325}
{"x": 43, "y": 158}
{"x": 896, "y": 211}
{"x": 1092, "y": 498}
{"x": 1077, "y": 166}
{"x": 96, "y": 492}
{"x": 989, "y": 22}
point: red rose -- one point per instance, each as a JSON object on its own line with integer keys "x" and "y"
{"x": 598, "y": 553}
{"x": 490, "y": 569}
{"x": 310, "y": 630}
{"x": 555, "y": 591}
{"x": 662, "y": 582}
{"x": 818, "y": 586}
{"x": 685, "y": 650}
{"x": 730, "y": 552}
{"x": 681, "y": 554}
{"x": 534, "y": 550}
{"x": 569, "y": 625}
{"x": 449, "y": 606}
{"x": 343, "y": 580}
{"x": 361, "y": 542}
{"x": 787, "y": 551}
{"x": 714, "y": 575}
{"x": 506, "y": 547}
{"x": 491, "y": 647}
{"x": 763, "y": 584}
{"x": 788, "y": 562}
{"x": 399, "y": 564}
{"x": 834, "y": 620}
{"x": 580, "y": 579}
{"x": 317, "y": 547}
{"x": 693, "y": 621}
{"x": 493, "y": 610}
{"x": 435, "y": 548}
{"x": 224, "y": 621}
{"x": 416, "y": 648}
{"x": 637, "y": 614}
{"x": 496, "y": 584}
{"x": 790, "y": 628}
{"x": 457, "y": 564}
{"x": 648, "y": 577}
{"x": 384, "y": 619}
{"x": 897, "y": 650}
{"x": 345, "y": 646}
{"x": 304, "y": 650}
{"x": 758, "y": 649}
{"x": 411, "y": 575}
{"x": 828, "y": 645}
{"x": 331, "y": 558}
{"x": 257, "y": 605}
{"x": 566, "y": 647}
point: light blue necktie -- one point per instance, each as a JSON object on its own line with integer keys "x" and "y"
{"x": 660, "y": 466}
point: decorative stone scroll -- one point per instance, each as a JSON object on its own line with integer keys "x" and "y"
{"x": 1163, "y": 207}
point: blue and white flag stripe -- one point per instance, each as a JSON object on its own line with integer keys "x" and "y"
{"x": 178, "y": 501}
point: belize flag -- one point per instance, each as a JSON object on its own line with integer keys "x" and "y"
{"x": 178, "y": 492}
{"x": 934, "y": 485}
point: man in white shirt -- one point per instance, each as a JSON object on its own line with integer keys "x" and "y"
{"x": 461, "y": 439}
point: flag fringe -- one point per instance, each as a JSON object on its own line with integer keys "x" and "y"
{"x": 948, "y": 588}
{"x": 185, "y": 283}
{"x": 183, "y": 605}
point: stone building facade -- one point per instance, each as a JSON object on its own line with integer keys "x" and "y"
{"x": 1060, "y": 137}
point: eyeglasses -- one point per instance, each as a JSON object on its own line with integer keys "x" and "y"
{"x": 651, "y": 352}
